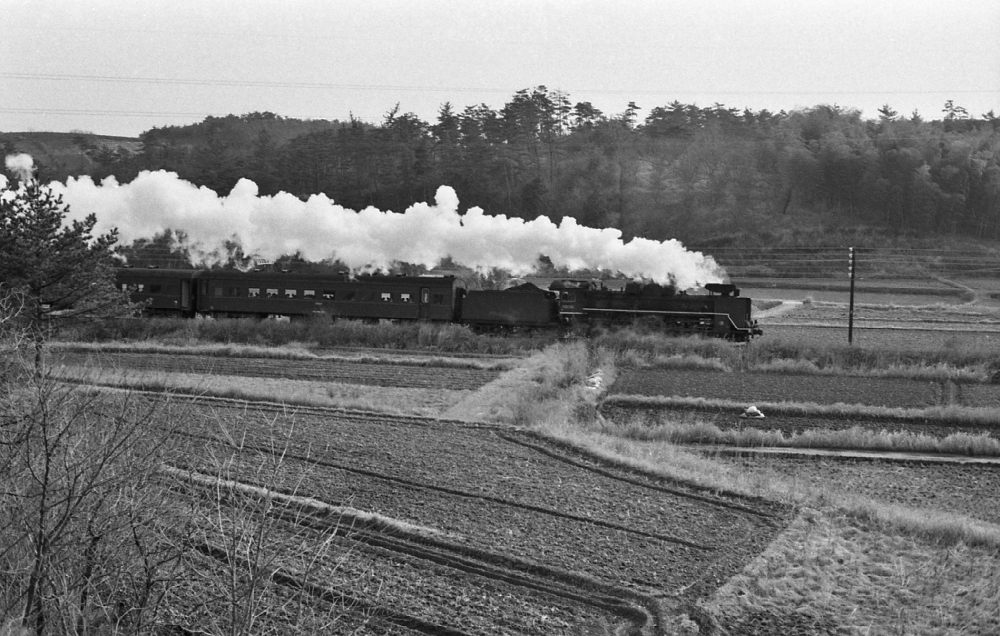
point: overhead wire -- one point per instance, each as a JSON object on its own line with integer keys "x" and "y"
{"x": 434, "y": 88}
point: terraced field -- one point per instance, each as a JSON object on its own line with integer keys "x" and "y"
{"x": 950, "y": 488}
{"x": 481, "y": 529}
{"x": 326, "y": 370}
{"x": 775, "y": 387}
{"x": 534, "y": 530}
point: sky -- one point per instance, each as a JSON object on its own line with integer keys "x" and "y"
{"x": 119, "y": 68}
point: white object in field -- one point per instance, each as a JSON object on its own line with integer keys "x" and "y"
{"x": 595, "y": 381}
{"x": 753, "y": 412}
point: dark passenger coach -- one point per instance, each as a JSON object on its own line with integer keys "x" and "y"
{"x": 168, "y": 292}
{"x": 230, "y": 293}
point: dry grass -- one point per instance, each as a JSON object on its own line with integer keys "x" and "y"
{"x": 393, "y": 400}
{"x": 319, "y": 331}
{"x": 864, "y": 565}
{"x": 546, "y": 386}
{"x": 867, "y": 578}
{"x": 956, "y": 415}
{"x": 873, "y": 567}
{"x": 854, "y": 438}
{"x": 291, "y": 351}
{"x": 953, "y": 358}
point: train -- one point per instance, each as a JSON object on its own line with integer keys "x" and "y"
{"x": 568, "y": 304}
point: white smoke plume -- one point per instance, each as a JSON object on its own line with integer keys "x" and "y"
{"x": 22, "y": 165}
{"x": 370, "y": 239}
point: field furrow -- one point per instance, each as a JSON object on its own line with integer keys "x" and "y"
{"x": 340, "y": 371}
{"x": 773, "y": 387}
{"x": 393, "y": 591}
{"x": 522, "y": 504}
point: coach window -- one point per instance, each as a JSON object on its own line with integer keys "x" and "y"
{"x": 438, "y": 299}
{"x": 291, "y": 293}
{"x": 272, "y": 293}
{"x": 350, "y": 295}
{"x": 386, "y": 297}
{"x": 404, "y": 298}
{"x": 329, "y": 294}
{"x": 218, "y": 291}
{"x": 140, "y": 287}
{"x": 253, "y": 292}
{"x": 233, "y": 292}
{"x": 308, "y": 293}
{"x": 125, "y": 287}
{"x": 155, "y": 289}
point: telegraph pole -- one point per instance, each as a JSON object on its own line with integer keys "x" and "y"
{"x": 850, "y": 311}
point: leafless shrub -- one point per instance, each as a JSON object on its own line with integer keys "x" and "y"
{"x": 78, "y": 543}
{"x": 95, "y": 539}
{"x": 259, "y": 550}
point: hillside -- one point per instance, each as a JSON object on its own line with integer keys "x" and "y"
{"x": 713, "y": 177}
{"x": 63, "y": 154}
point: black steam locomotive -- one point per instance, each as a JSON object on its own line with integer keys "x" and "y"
{"x": 567, "y": 303}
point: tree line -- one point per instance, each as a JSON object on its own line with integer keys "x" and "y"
{"x": 684, "y": 171}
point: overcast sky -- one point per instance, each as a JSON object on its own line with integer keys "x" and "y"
{"x": 121, "y": 68}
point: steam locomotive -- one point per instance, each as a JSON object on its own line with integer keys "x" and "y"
{"x": 565, "y": 304}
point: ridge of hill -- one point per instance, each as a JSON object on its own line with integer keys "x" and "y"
{"x": 59, "y": 155}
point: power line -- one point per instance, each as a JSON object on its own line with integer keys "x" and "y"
{"x": 881, "y": 47}
{"x": 110, "y": 113}
{"x": 246, "y": 83}
{"x": 456, "y": 89}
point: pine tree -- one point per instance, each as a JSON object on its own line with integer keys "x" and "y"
{"x": 63, "y": 274}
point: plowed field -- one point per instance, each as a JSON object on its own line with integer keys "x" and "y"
{"x": 966, "y": 490}
{"x": 329, "y": 370}
{"x": 963, "y": 489}
{"x": 972, "y": 337}
{"x": 794, "y": 424}
{"x": 774, "y": 387}
{"x": 392, "y": 586}
{"x": 512, "y": 504}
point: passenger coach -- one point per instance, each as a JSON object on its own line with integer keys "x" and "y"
{"x": 231, "y": 293}
{"x": 225, "y": 293}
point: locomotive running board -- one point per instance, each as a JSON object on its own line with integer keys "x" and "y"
{"x": 653, "y": 312}
{"x": 656, "y": 312}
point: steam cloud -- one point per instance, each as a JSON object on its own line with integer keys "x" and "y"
{"x": 370, "y": 239}
{"x": 22, "y": 165}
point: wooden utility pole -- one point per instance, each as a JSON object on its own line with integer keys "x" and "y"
{"x": 850, "y": 311}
